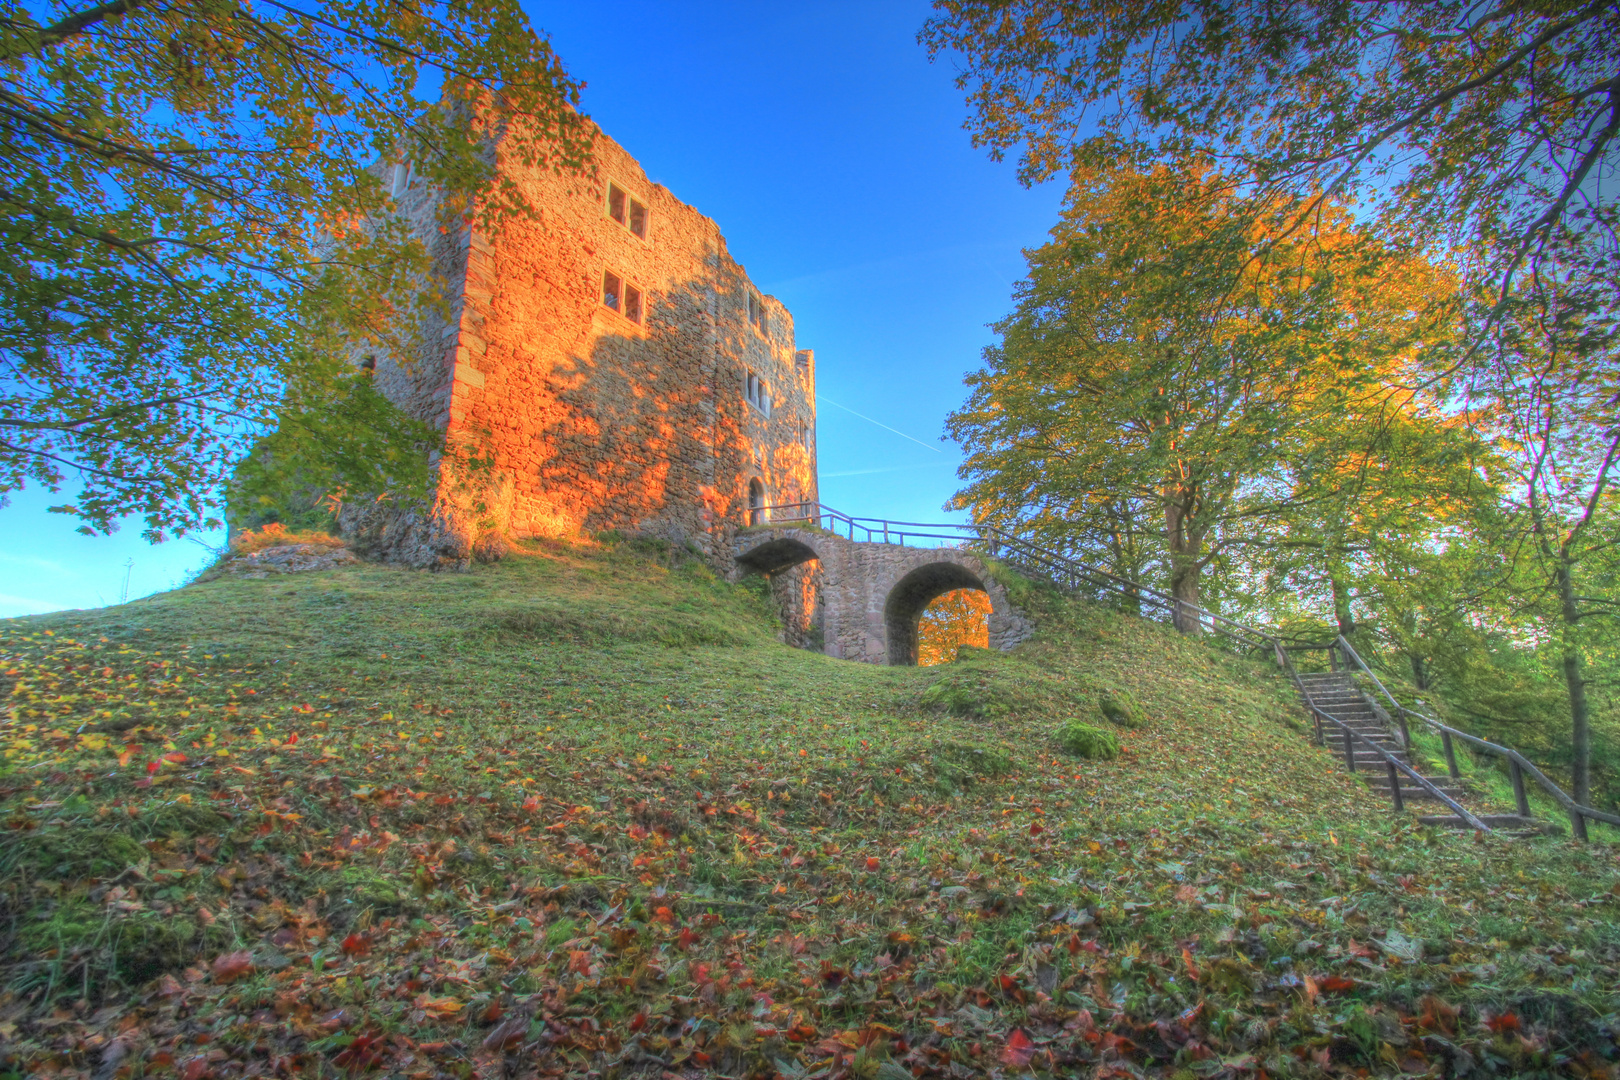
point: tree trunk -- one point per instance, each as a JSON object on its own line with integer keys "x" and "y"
{"x": 1341, "y": 607}
{"x": 1184, "y": 587}
{"x": 1580, "y": 710}
{"x": 1420, "y": 672}
{"x": 1186, "y": 542}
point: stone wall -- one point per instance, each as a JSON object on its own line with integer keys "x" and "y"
{"x": 589, "y": 419}
{"x": 870, "y": 595}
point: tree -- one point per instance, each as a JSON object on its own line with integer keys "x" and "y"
{"x": 959, "y": 617}
{"x": 1555, "y": 406}
{"x": 1491, "y": 127}
{"x": 194, "y": 227}
{"x": 1168, "y": 361}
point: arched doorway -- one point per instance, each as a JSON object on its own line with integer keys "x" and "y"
{"x": 910, "y": 596}
{"x": 756, "y": 502}
{"x": 949, "y": 621}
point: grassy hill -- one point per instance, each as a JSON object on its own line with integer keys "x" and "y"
{"x": 579, "y": 812}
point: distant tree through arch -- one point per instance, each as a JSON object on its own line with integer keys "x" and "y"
{"x": 951, "y": 620}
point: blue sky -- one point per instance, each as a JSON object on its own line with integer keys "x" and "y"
{"x": 831, "y": 152}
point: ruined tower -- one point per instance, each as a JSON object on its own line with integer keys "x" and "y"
{"x": 609, "y": 366}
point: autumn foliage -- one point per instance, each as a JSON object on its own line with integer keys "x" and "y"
{"x": 960, "y": 617}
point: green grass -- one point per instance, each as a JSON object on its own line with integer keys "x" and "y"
{"x": 580, "y": 810}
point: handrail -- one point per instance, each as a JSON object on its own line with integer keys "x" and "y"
{"x": 1578, "y": 813}
{"x": 996, "y": 538}
{"x": 1394, "y": 764}
{"x": 1059, "y": 565}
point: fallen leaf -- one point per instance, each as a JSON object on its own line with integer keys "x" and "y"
{"x": 232, "y": 966}
{"x": 1019, "y": 1049}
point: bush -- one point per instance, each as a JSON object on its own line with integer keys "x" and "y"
{"x": 1083, "y": 740}
{"x": 277, "y": 535}
{"x": 1121, "y": 707}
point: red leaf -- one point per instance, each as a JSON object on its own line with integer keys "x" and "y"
{"x": 356, "y": 945}
{"x": 686, "y": 937}
{"x": 531, "y": 803}
{"x": 872, "y": 863}
{"x": 232, "y": 966}
{"x": 638, "y": 1021}
{"x": 1019, "y": 1049}
{"x": 292, "y": 740}
{"x": 1035, "y": 828}
{"x": 152, "y": 767}
{"x": 1335, "y": 984}
{"x": 1504, "y": 1023}
{"x": 176, "y": 758}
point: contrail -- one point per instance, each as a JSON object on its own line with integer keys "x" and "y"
{"x": 869, "y": 420}
{"x": 869, "y": 472}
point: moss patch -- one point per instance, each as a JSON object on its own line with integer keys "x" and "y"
{"x": 1083, "y": 740}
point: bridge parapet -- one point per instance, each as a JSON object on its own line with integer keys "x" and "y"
{"x": 861, "y": 599}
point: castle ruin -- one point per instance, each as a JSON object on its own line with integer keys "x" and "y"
{"x": 610, "y": 365}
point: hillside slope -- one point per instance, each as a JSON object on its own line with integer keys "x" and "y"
{"x": 580, "y": 812}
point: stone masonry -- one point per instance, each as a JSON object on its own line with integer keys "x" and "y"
{"x": 861, "y": 601}
{"x": 611, "y": 363}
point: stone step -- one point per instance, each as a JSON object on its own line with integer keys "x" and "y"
{"x": 1512, "y": 824}
{"x": 1417, "y": 794}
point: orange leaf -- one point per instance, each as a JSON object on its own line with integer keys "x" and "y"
{"x": 444, "y": 1008}
{"x": 1504, "y": 1023}
{"x": 1192, "y": 968}
{"x": 872, "y": 863}
{"x": 1336, "y": 984}
{"x": 175, "y": 758}
{"x": 1019, "y": 1049}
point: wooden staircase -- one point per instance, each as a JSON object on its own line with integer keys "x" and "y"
{"x": 1336, "y": 694}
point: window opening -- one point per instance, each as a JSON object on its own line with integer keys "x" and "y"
{"x": 756, "y": 502}
{"x": 627, "y": 210}
{"x": 758, "y": 394}
{"x": 404, "y": 173}
{"x": 804, "y": 436}
{"x": 623, "y": 297}
{"x": 756, "y": 311}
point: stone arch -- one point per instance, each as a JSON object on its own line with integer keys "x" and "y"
{"x": 776, "y": 554}
{"x": 903, "y": 607}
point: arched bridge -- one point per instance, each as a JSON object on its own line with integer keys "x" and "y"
{"x": 860, "y": 595}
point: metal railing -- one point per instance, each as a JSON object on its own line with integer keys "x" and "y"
{"x": 1009, "y": 547}
{"x": 1395, "y": 767}
{"x": 1518, "y": 764}
{"x": 1071, "y": 573}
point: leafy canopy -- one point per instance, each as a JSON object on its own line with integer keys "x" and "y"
{"x": 1489, "y": 127}
{"x": 195, "y": 220}
{"x": 1174, "y": 370}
